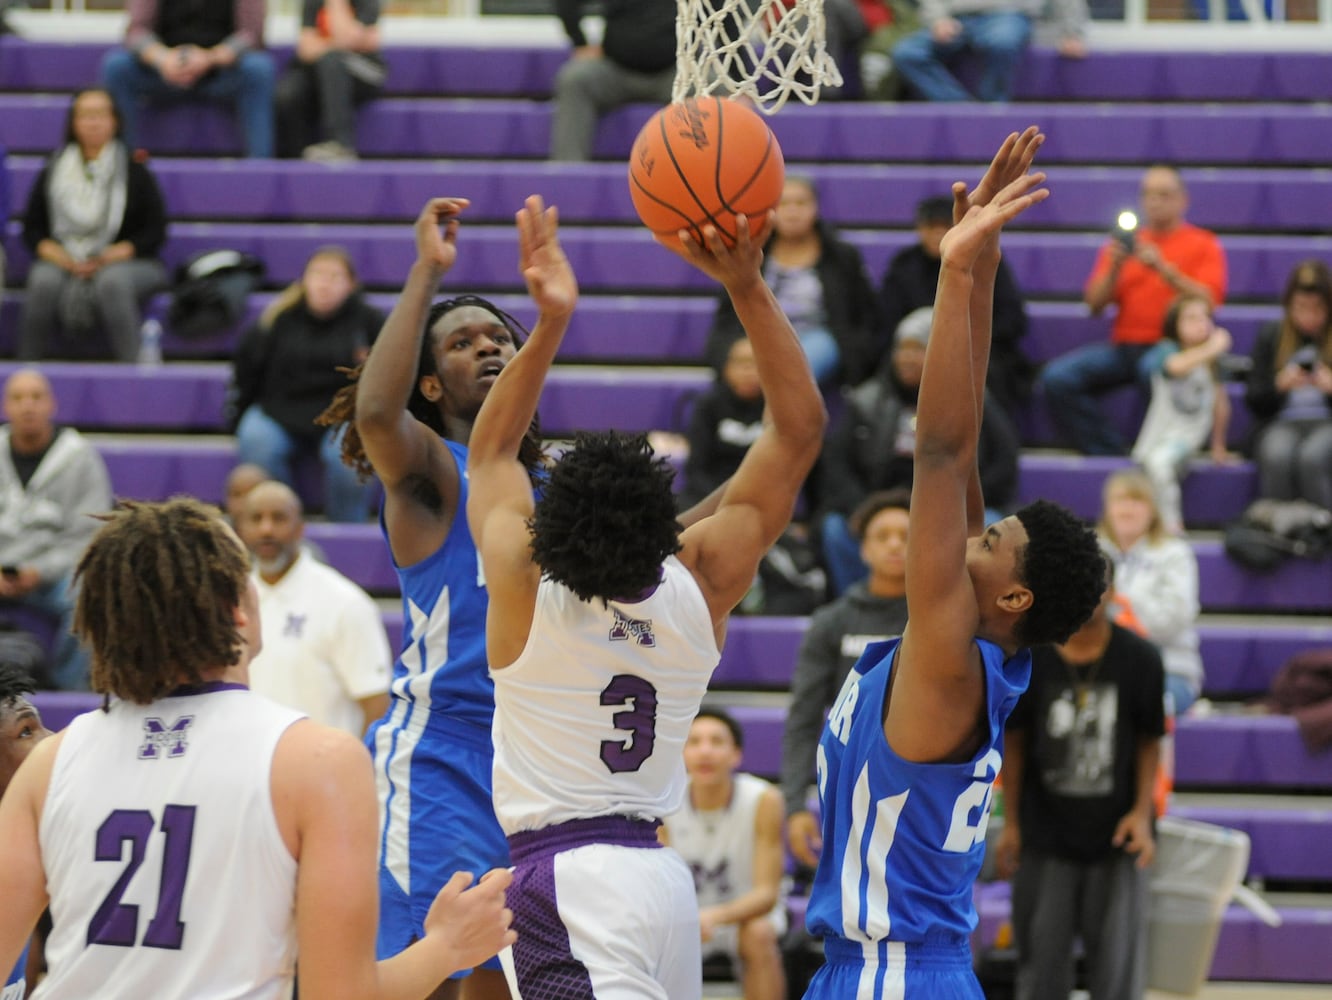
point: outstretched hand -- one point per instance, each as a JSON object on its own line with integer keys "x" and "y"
{"x": 545, "y": 268}
{"x": 437, "y": 232}
{"x": 1011, "y": 162}
{"x": 731, "y": 265}
{"x": 976, "y": 235}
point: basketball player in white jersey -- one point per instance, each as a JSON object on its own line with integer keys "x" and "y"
{"x": 191, "y": 836}
{"x": 729, "y": 832}
{"x": 605, "y": 623}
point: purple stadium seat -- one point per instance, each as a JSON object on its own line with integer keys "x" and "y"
{"x": 59, "y": 707}
{"x": 156, "y": 469}
{"x": 759, "y": 652}
{"x": 1297, "y": 585}
{"x": 1056, "y": 328}
{"x": 1238, "y": 751}
{"x": 1286, "y": 843}
{"x": 1242, "y": 659}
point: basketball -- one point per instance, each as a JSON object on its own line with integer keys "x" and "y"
{"x": 704, "y": 161}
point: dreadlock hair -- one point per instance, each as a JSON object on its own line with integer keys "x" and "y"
{"x": 158, "y": 585}
{"x": 1063, "y": 567}
{"x": 341, "y": 412}
{"x": 606, "y": 520}
{"x": 14, "y": 684}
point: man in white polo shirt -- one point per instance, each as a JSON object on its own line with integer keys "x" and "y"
{"x": 325, "y": 652}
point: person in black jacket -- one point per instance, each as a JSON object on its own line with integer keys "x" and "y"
{"x": 94, "y": 224}
{"x": 910, "y": 282}
{"x": 1290, "y": 391}
{"x": 286, "y": 371}
{"x": 822, "y": 285}
{"x": 869, "y": 611}
{"x": 724, "y": 422}
{"x": 634, "y": 62}
{"x": 872, "y": 447}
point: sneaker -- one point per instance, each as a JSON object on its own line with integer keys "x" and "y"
{"x": 331, "y": 151}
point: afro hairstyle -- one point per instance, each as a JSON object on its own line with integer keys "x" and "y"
{"x": 1063, "y": 567}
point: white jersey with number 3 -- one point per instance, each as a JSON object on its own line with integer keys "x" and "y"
{"x": 591, "y": 719}
{"x": 167, "y": 874}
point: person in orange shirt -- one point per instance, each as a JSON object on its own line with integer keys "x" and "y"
{"x": 1168, "y": 257}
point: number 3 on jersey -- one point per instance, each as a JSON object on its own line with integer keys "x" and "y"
{"x": 639, "y": 719}
{"x": 116, "y": 923}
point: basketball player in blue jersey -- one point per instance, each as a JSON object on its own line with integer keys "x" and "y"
{"x": 191, "y": 836}
{"x": 606, "y": 620}
{"x": 912, "y": 745}
{"x": 21, "y": 730}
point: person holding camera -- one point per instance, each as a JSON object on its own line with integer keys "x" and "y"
{"x": 1290, "y": 391}
{"x": 1139, "y": 272}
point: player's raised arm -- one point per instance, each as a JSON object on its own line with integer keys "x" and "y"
{"x": 499, "y": 488}
{"x": 725, "y": 549}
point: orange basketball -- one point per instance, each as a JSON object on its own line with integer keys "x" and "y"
{"x": 704, "y": 161}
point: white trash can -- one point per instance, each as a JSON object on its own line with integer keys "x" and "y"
{"x": 1197, "y": 870}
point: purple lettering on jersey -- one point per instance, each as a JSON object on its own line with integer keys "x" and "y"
{"x": 625, "y": 628}
{"x": 295, "y": 625}
{"x": 719, "y": 878}
{"x": 640, "y": 721}
{"x": 117, "y": 924}
{"x": 166, "y": 929}
{"x": 157, "y": 735}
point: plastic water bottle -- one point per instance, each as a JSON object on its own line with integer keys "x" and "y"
{"x": 150, "y": 343}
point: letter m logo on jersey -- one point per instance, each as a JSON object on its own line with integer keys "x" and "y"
{"x": 158, "y": 736}
{"x": 626, "y": 628}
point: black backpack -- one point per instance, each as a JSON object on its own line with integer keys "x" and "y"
{"x": 1271, "y": 531}
{"x": 210, "y": 292}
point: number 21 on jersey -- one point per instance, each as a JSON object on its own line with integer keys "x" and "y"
{"x": 116, "y": 923}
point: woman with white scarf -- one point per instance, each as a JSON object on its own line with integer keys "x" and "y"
{"x": 94, "y": 224}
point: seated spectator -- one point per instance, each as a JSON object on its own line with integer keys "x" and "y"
{"x": 997, "y": 31}
{"x": 911, "y": 280}
{"x": 195, "y": 52}
{"x": 887, "y": 22}
{"x": 634, "y": 62}
{"x": 729, "y": 832}
{"x": 286, "y": 371}
{"x": 94, "y": 224}
{"x": 724, "y": 422}
{"x": 1077, "y": 838}
{"x": 822, "y": 285}
{"x": 337, "y": 66}
{"x": 240, "y": 480}
{"x": 871, "y": 610}
{"x": 872, "y": 447}
{"x": 1168, "y": 258}
{"x": 1290, "y": 391}
{"x": 1189, "y": 404}
{"x": 51, "y": 480}
{"x": 1159, "y": 577}
{"x": 324, "y": 648}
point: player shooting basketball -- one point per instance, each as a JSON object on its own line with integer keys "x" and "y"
{"x": 605, "y": 623}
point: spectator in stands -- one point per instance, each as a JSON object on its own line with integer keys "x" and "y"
{"x": 634, "y": 62}
{"x": 324, "y": 647}
{"x": 872, "y": 447}
{"x": 1169, "y": 257}
{"x": 1189, "y": 404}
{"x": 337, "y": 66}
{"x": 887, "y": 22}
{"x": 94, "y": 224}
{"x": 195, "y": 52}
{"x": 240, "y": 480}
{"x": 51, "y": 480}
{"x": 909, "y": 284}
{"x": 995, "y": 31}
{"x": 729, "y": 832}
{"x": 724, "y": 422}
{"x": 869, "y": 611}
{"x": 1080, "y": 757}
{"x": 286, "y": 370}
{"x": 1290, "y": 391}
{"x": 822, "y": 285}
{"x": 1159, "y": 576}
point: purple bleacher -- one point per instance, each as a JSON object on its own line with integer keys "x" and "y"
{"x": 1246, "y": 949}
{"x": 759, "y": 652}
{"x": 1287, "y": 843}
{"x": 155, "y": 470}
{"x": 1297, "y": 585}
{"x": 762, "y": 727}
{"x": 1056, "y": 328}
{"x": 1124, "y": 408}
{"x": 59, "y": 707}
{"x": 1233, "y": 751}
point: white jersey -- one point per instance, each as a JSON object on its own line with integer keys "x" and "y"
{"x": 324, "y": 645}
{"x": 591, "y": 719}
{"x": 167, "y": 874}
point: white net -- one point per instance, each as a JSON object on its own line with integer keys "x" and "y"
{"x": 766, "y": 50}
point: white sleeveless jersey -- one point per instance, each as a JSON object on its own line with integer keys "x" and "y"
{"x": 167, "y": 874}
{"x": 591, "y": 719}
{"x": 718, "y": 844}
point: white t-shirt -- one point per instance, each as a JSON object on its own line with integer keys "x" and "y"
{"x": 324, "y": 645}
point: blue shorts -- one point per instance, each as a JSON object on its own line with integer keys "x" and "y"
{"x": 437, "y": 818}
{"x": 889, "y": 970}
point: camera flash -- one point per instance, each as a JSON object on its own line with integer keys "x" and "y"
{"x": 1128, "y": 221}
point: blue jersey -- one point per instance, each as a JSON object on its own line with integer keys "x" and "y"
{"x": 903, "y": 842}
{"x": 15, "y": 986}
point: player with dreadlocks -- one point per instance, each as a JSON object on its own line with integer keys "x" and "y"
{"x": 192, "y": 836}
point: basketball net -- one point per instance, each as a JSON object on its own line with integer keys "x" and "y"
{"x": 766, "y": 50}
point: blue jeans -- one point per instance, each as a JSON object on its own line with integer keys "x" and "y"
{"x": 248, "y": 85}
{"x": 999, "y": 39}
{"x": 1071, "y": 381}
{"x": 69, "y": 660}
{"x": 841, "y": 554}
{"x": 822, "y": 352}
{"x": 262, "y": 440}
{"x": 1180, "y": 694}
